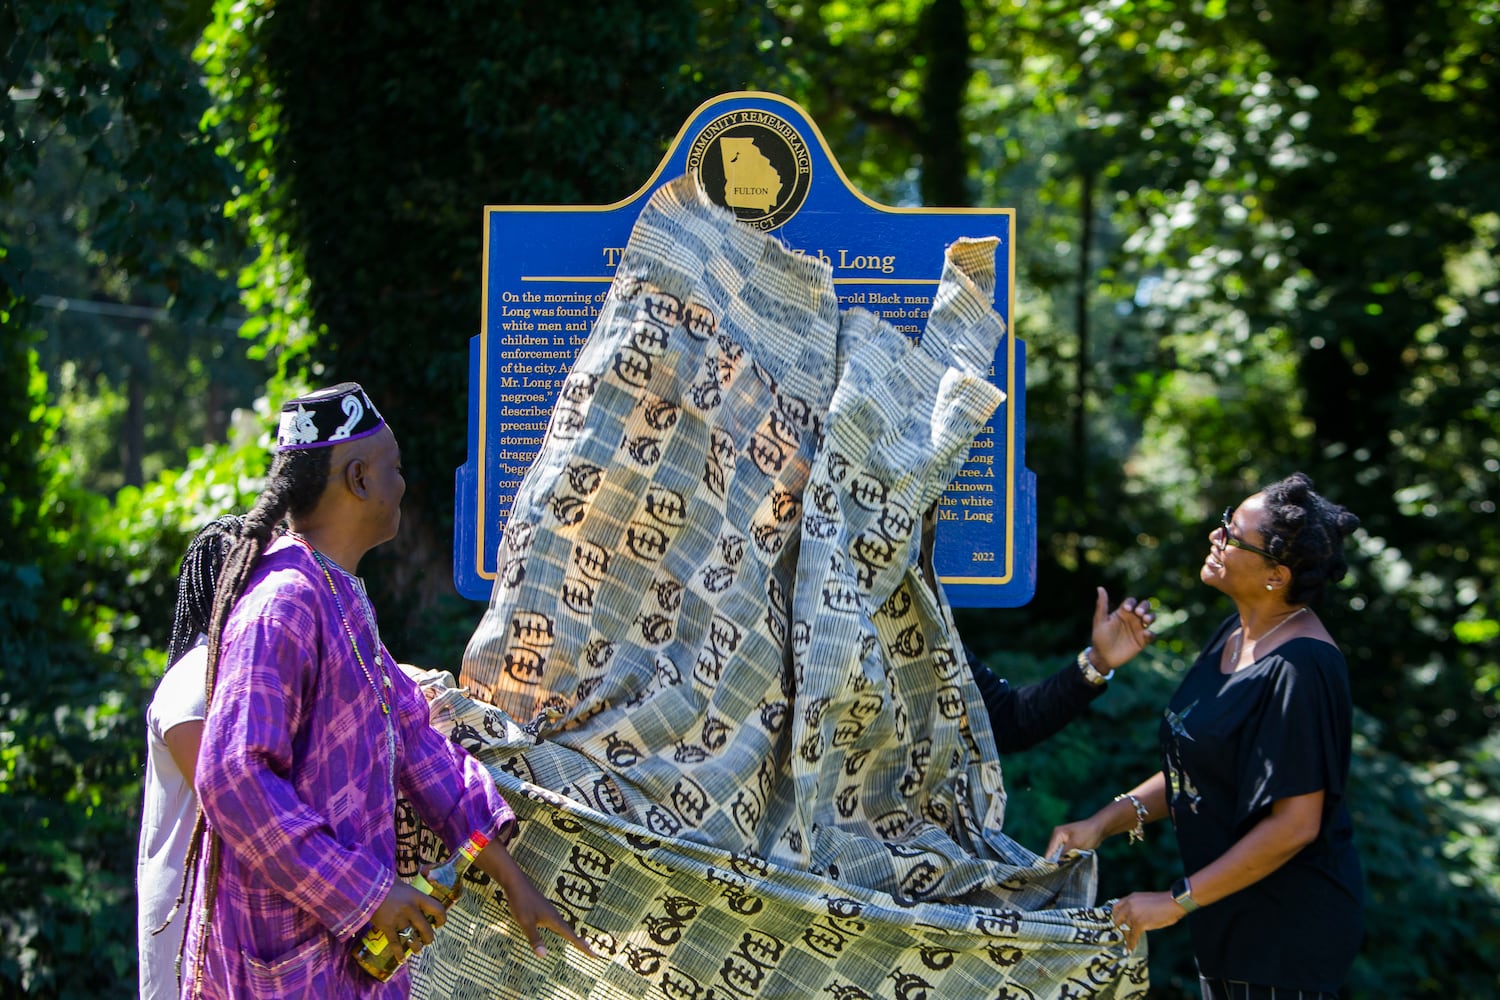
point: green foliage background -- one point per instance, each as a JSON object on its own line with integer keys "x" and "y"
{"x": 1253, "y": 237}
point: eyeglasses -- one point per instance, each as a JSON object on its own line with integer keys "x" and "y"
{"x": 1229, "y": 538}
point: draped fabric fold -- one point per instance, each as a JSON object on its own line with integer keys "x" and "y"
{"x": 718, "y": 680}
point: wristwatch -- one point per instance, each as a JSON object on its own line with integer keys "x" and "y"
{"x": 1090, "y": 672}
{"x": 1183, "y": 894}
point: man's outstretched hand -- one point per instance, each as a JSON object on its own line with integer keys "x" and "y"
{"x": 1120, "y": 634}
{"x": 532, "y": 910}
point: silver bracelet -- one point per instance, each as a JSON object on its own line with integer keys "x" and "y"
{"x": 1139, "y": 833}
{"x": 1090, "y": 672}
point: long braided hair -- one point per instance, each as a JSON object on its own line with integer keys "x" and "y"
{"x": 196, "y": 580}
{"x": 296, "y": 483}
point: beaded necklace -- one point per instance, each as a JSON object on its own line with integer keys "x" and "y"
{"x": 382, "y": 688}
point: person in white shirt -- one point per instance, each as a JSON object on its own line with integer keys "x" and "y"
{"x": 174, "y": 724}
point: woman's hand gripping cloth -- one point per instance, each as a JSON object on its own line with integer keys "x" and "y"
{"x": 727, "y": 705}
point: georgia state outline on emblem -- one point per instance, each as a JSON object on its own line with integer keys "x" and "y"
{"x": 754, "y": 163}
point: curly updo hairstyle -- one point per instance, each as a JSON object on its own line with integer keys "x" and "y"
{"x": 1306, "y": 532}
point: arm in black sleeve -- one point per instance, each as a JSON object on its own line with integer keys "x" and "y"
{"x": 1023, "y": 717}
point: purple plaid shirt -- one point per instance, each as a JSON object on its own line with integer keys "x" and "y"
{"x": 294, "y": 776}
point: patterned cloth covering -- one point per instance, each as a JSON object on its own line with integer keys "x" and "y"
{"x": 717, "y": 679}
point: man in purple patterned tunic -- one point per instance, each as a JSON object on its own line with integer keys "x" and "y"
{"x": 311, "y": 733}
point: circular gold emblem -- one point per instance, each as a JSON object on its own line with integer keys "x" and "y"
{"x": 754, "y": 163}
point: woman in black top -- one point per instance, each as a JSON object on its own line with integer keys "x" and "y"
{"x": 1255, "y": 747}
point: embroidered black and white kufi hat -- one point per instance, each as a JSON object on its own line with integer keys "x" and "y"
{"x": 339, "y": 413}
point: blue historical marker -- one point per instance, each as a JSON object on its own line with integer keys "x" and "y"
{"x": 547, "y": 270}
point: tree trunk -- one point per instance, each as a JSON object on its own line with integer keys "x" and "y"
{"x": 1081, "y": 323}
{"x": 945, "y": 167}
{"x": 133, "y": 436}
